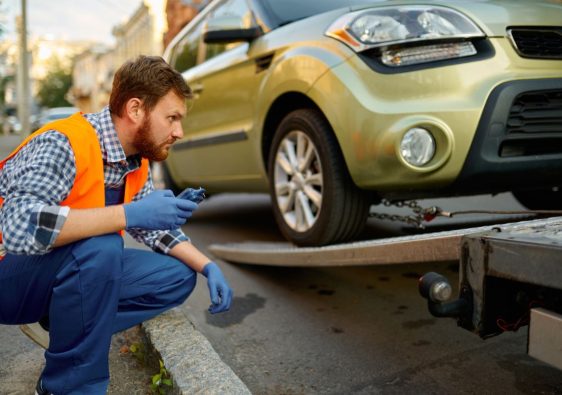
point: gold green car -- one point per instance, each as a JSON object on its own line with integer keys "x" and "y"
{"x": 331, "y": 105}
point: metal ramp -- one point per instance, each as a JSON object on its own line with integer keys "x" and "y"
{"x": 429, "y": 247}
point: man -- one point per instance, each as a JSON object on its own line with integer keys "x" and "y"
{"x": 65, "y": 195}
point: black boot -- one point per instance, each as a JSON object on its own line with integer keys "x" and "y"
{"x": 39, "y": 390}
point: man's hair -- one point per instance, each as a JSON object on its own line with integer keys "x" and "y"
{"x": 148, "y": 78}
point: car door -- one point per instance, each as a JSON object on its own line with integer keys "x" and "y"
{"x": 218, "y": 148}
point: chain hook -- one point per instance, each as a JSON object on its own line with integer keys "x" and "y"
{"x": 420, "y": 214}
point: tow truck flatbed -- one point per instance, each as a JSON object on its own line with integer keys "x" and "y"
{"x": 509, "y": 278}
{"x": 427, "y": 247}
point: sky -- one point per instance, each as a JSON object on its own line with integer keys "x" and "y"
{"x": 70, "y": 19}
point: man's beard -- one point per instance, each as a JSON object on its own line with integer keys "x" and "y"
{"x": 146, "y": 146}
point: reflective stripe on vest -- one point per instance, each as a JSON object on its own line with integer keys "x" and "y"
{"x": 88, "y": 188}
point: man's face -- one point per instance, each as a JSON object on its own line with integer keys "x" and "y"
{"x": 160, "y": 128}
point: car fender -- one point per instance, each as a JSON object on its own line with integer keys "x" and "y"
{"x": 296, "y": 71}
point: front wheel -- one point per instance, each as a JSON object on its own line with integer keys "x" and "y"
{"x": 315, "y": 202}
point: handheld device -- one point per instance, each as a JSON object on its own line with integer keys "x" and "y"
{"x": 195, "y": 195}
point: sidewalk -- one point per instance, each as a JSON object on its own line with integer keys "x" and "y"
{"x": 22, "y": 363}
{"x": 187, "y": 355}
{"x": 194, "y": 365}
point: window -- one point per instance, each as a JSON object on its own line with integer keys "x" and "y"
{"x": 232, "y": 14}
{"x": 287, "y": 11}
{"x": 188, "y": 51}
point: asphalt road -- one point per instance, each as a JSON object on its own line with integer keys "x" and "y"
{"x": 350, "y": 330}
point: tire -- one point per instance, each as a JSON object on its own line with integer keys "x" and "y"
{"x": 161, "y": 177}
{"x": 315, "y": 203}
{"x": 540, "y": 199}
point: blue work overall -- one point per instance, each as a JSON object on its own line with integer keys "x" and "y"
{"x": 90, "y": 289}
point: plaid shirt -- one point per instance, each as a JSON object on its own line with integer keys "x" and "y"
{"x": 41, "y": 175}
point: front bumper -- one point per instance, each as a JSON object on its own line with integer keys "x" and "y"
{"x": 518, "y": 143}
{"x": 370, "y": 112}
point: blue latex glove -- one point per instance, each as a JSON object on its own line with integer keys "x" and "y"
{"x": 159, "y": 210}
{"x": 221, "y": 294}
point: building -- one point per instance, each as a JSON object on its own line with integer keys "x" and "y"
{"x": 45, "y": 55}
{"x": 178, "y": 14}
{"x": 90, "y": 74}
{"x": 142, "y": 33}
{"x": 149, "y": 29}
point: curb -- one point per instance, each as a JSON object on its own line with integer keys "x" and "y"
{"x": 193, "y": 364}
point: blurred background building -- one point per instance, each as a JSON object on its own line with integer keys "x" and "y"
{"x": 90, "y": 65}
{"x": 147, "y": 31}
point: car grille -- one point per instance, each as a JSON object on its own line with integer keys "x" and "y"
{"x": 543, "y": 43}
{"x": 534, "y": 126}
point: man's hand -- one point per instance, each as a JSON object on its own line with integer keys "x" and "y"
{"x": 221, "y": 294}
{"x": 159, "y": 210}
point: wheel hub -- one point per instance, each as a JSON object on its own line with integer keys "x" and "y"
{"x": 298, "y": 181}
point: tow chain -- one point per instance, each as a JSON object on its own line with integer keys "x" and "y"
{"x": 428, "y": 214}
{"x": 416, "y": 219}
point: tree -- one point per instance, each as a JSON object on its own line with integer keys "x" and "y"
{"x": 53, "y": 88}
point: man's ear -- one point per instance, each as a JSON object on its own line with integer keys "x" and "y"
{"x": 134, "y": 110}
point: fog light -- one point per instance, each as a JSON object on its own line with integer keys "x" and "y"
{"x": 417, "y": 146}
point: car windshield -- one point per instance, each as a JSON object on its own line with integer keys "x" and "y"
{"x": 286, "y": 11}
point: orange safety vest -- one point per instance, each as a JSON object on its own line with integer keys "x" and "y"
{"x": 88, "y": 190}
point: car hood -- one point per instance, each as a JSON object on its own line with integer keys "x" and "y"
{"x": 493, "y": 16}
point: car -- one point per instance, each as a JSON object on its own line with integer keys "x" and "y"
{"x": 331, "y": 106}
{"x": 52, "y": 114}
{"x": 11, "y": 125}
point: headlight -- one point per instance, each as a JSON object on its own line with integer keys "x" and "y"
{"x": 404, "y": 26}
{"x": 417, "y": 147}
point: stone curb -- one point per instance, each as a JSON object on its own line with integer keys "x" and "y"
{"x": 190, "y": 359}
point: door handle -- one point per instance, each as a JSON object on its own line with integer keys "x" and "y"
{"x": 196, "y": 87}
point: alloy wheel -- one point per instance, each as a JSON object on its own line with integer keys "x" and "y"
{"x": 298, "y": 181}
